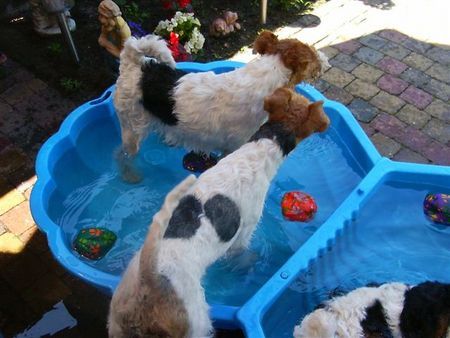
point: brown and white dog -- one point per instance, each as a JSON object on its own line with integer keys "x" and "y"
{"x": 392, "y": 310}
{"x": 204, "y": 111}
{"x": 161, "y": 293}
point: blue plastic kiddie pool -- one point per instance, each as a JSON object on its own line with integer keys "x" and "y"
{"x": 369, "y": 226}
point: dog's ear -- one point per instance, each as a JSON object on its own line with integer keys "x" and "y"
{"x": 316, "y": 107}
{"x": 277, "y": 103}
{"x": 265, "y": 43}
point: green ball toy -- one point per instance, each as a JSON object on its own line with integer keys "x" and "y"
{"x": 94, "y": 243}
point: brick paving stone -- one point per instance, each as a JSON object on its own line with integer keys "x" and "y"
{"x": 407, "y": 155}
{"x": 11, "y": 159}
{"x": 35, "y": 240}
{"x": 17, "y": 93}
{"x": 438, "y": 130}
{"x": 393, "y": 35}
{"x": 23, "y": 271}
{"x": 391, "y": 65}
{"x": 385, "y": 145}
{"x": 413, "y": 116}
{"x": 368, "y": 55}
{"x": 417, "y": 97}
{"x": 367, "y": 73}
{"x": 373, "y": 41}
{"x": 329, "y": 51}
{"x": 46, "y": 292}
{"x": 52, "y": 264}
{"x": 416, "y": 45}
{"x": 18, "y": 219}
{"x": 36, "y": 85}
{"x": 413, "y": 138}
{"x": 2, "y": 228}
{"x": 395, "y": 50}
{"x": 321, "y": 85}
{"x": 362, "y": 89}
{"x": 338, "y": 94}
{"x": 345, "y": 62}
{"x": 438, "y": 153}
{"x": 337, "y": 77}
{"x": 387, "y": 102}
{"x": 28, "y": 135}
{"x": 391, "y": 84}
{"x": 4, "y": 142}
{"x": 440, "y": 110}
{"x": 348, "y": 47}
{"x": 9, "y": 200}
{"x": 415, "y": 77}
{"x": 440, "y": 55}
{"x": 363, "y": 111}
{"x": 439, "y": 72}
{"x": 418, "y": 61}
{"x": 10, "y": 244}
{"x": 367, "y": 128}
{"x": 438, "y": 89}
{"x": 23, "y": 75}
{"x": 388, "y": 125}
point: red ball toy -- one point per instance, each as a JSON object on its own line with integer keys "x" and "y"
{"x": 298, "y": 206}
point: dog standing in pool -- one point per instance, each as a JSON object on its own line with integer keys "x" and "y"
{"x": 202, "y": 111}
{"x": 203, "y": 219}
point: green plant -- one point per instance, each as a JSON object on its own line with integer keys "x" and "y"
{"x": 70, "y": 85}
{"x": 55, "y": 48}
{"x": 132, "y": 12}
{"x": 296, "y": 4}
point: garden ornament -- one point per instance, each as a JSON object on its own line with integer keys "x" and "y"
{"x": 45, "y": 22}
{"x": 115, "y": 30}
{"x": 225, "y": 25}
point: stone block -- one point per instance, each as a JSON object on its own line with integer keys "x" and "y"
{"x": 363, "y": 111}
{"x": 417, "y": 97}
{"x": 385, "y": 145}
{"x": 391, "y": 65}
{"x": 413, "y": 116}
{"x": 418, "y": 61}
{"x": 367, "y": 73}
{"x": 387, "y": 102}
{"x": 337, "y": 77}
{"x": 368, "y": 55}
{"x": 391, "y": 84}
{"x": 362, "y": 89}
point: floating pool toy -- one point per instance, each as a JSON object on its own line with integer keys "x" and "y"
{"x": 198, "y": 162}
{"x": 437, "y": 208}
{"x": 298, "y": 206}
{"x": 94, "y": 243}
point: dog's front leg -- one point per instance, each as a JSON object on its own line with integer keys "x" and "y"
{"x": 127, "y": 154}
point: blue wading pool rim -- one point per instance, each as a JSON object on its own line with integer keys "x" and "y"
{"x": 249, "y": 316}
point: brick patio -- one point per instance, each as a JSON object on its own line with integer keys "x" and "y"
{"x": 397, "y": 86}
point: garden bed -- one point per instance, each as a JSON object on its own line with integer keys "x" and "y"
{"x": 49, "y": 59}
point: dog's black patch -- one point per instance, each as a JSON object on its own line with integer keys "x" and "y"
{"x": 426, "y": 311}
{"x": 375, "y": 324}
{"x": 157, "y": 83}
{"x": 224, "y": 216}
{"x": 277, "y": 132}
{"x": 185, "y": 219}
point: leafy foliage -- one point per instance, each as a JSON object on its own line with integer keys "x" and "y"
{"x": 70, "y": 85}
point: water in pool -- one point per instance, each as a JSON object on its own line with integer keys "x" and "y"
{"x": 391, "y": 240}
{"x": 90, "y": 193}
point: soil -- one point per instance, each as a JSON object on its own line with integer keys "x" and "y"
{"x": 49, "y": 59}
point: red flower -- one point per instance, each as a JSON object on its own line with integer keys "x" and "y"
{"x": 183, "y": 3}
{"x": 178, "y": 51}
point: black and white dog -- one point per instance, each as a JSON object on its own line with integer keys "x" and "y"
{"x": 203, "y": 111}
{"x": 392, "y": 310}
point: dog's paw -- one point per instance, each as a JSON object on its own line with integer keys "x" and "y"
{"x": 131, "y": 175}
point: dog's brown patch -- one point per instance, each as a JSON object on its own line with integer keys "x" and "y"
{"x": 296, "y": 112}
{"x": 297, "y": 56}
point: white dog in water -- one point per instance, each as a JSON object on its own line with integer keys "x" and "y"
{"x": 202, "y": 111}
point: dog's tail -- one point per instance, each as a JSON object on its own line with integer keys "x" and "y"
{"x": 147, "y": 260}
{"x": 149, "y": 46}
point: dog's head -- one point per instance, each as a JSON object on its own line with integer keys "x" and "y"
{"x": 296, "y": 112}
{"x": 303, "y": 60}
